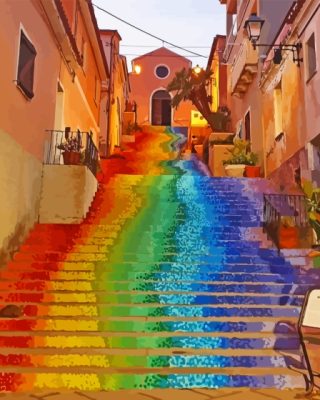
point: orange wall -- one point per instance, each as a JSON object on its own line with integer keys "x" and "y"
{"x": 145, "y": 84}
{"x": 26, "y": 120}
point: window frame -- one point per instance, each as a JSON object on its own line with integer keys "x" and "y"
{"x": 27, "y": 91}
{"x": 162, "y": 65}
{"x": 310, "y": 74}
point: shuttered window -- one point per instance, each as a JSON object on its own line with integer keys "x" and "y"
{"x": 27, "y": 55}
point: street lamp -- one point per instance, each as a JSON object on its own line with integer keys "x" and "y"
{"x": 197, "y": 69}
{"x": 254, "y": 25}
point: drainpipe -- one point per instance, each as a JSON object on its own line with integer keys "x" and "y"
{"x": 111, "y": 81}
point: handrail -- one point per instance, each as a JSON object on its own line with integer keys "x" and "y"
{"x": 60, "y": 142}
{"x": 277, "y": 206}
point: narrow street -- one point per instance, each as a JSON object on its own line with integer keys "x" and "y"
{"x": 167, "y": 284}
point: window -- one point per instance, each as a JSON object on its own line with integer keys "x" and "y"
{"x": 96, "y": 90}
{"x": 162, "y": 71}
{"x": 277, "y": 99}
{"x": 311, "y": 56}
{"x": 27, "y": 55}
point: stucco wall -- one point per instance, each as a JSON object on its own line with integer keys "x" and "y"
{"x": 146, "y": 83}
{"x": 67, "y": 192}
{"x": 20, "y": 181}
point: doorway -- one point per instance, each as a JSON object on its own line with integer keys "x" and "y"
{"x": 161, "y": 108}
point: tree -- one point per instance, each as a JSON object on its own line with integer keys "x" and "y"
{"x": 188, "y": 85}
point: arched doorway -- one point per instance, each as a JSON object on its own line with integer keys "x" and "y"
{"x": 161, "y": 108}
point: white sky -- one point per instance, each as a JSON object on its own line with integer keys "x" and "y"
{"x": 182, "y": 22}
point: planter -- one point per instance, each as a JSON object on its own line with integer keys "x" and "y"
{"x": 288, "y": 237}
{"x": 71, "y": 157}
{"x": 252, "y": 171}
{"x": 235, "y": 170}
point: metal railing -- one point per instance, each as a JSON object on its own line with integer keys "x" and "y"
{"x": 71, "y": 148}
{"x": 277, "y": 206}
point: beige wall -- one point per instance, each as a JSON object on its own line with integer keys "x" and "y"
{"x": 20, "y": 181}
{"x": 66, "y": 206}
{"x": 22, "y": 121}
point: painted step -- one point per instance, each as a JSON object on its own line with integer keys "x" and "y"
{"x": 23, "y": 382}
{"x": 183, "y": 276}
{"x": 152, "y": 257}
{"x": 180, "y": 312}
{"x": 120, "y": 325}
{"x": 85, "y": 362}
{"x": 165, "y": 267}
{"x": 164, "y": 287}
{"x": 207, "y": 344}
{"x": 140, "y": 299}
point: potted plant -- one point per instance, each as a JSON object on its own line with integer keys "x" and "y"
{"x": 235, "y": 165}
{"x": 252, "y": 170}
{"x": 71, "y": 148}
{"x": 220, "y": 119}
{"x": 288, "y": 233}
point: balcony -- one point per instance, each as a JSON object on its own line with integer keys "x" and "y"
{"x": 244, "y": 68}
{"x": 231, "y": 5}
{"x": 68, "y": 179}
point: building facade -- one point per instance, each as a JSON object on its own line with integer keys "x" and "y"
{"x": 52, "y": 75}
{"x": 118, "y": 91}
{"x": 291, "y": 98}
{"x": 244, "y": 65}
{"x": 148, "y": 89}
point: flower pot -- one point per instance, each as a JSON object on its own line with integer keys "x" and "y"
{"x": 235, "y": 170}
{"x": 71, "y": 157}
{"x": 288, "y": 237}
{"x": 252, "y": 171}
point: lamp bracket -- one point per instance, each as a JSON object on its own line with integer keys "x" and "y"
{"x": 295, "y": 48}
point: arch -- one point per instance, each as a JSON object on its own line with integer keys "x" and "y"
{"x": 161, "y": 109}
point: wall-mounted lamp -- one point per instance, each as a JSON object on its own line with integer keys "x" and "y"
{"x": 137, "y": 69}
{"x": 197, "y": 69}
{"x": 254, "y": 25}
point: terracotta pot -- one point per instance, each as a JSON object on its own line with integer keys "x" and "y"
{"x": 288, "y": 237}
{"x": 71, "y": 157}
{"x": 235, "y": 170}
{"x": 252, "y": 171}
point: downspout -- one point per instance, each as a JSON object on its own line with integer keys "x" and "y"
{"x": 109, "y": 95}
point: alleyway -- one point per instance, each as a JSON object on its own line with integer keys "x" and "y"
{"x": 166, "y": 285}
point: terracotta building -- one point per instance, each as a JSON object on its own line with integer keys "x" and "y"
{"x": 148, "y": 88}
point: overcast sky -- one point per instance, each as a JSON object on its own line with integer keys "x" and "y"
{"x": 182, "y": 22}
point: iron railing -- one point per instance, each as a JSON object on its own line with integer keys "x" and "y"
{"x": 61, "y": 142}
{"x": 277, "y": 206}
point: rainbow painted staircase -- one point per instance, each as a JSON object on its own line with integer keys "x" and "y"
{"x": 164, "y": 285}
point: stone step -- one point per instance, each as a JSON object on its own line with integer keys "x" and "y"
{"x": 105, "y": 361}
{"x": 156, "y": 256}
{"x": 165, "y": 267}
{"x": 100, "y": 312}
{"x": 273, "y": 378}
{"x": 161, "y": 276}
{"x": 189, "y": 344}
{"x": 156, "y": 287}
{"x": 143, "y": 299}
{"x": 125, "y": 325}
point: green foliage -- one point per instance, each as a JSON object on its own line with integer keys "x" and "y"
{"x": 240, "y": 153}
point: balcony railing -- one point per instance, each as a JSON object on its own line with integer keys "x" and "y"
{"x": 277, "y": 206}
{"x": 71, "y": 148}
{"x": 244, "y": 68}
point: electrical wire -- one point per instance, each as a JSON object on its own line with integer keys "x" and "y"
{"x": 147, "y": 33}
{"x": 160, "y": 55}
{"x": 149, "y": 46}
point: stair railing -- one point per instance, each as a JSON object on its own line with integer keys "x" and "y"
{"x": 81, "y": 142}
{"x": 277, "y": 206}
